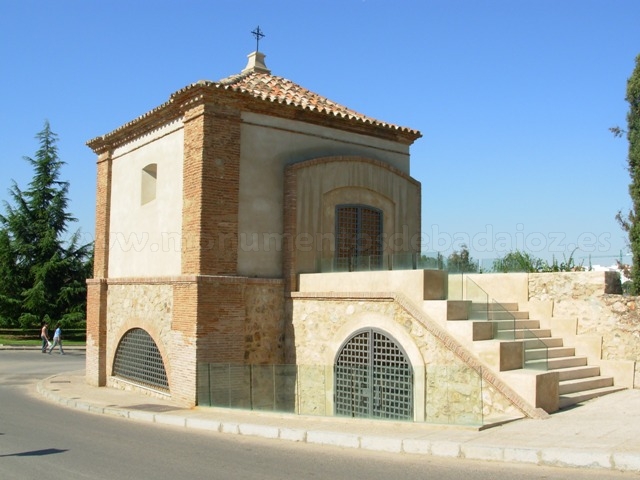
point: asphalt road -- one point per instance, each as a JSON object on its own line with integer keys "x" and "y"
{"x": 42, "y": 440}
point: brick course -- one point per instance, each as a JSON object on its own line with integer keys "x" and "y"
{"x": 211, "y": 175}
{"x": 96, "y": 332}
{"x": 103, "y": 211}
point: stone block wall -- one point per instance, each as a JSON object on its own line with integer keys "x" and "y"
{"x": 139, "y": 305}
{"x": 264, "y": 328}
{"x": 240, "y": 320}
{"x": 446, "y": 389}
{"x": 146, "y": 306}
{"x": 194, "y": 320}
{"x": 595, "y": 300}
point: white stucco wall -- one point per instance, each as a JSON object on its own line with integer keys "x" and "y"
{"x": 145, "y": 240}
{"x": 268, "y": 145}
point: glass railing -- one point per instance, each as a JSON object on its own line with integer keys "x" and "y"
{"x": 480, "y": 300}
{"x": 404, "y": 261}
{"x": 450, "y": 394}
{"x": 395, "y": 261}
{"x": 455, "y": 286}
{"x": 430, "y": 261}
{"x": 531, "y": 264}
{"x": 504, "y": 322}
{"x": 438, "y": 261}
{"x": 355, "y": 263}
{"x": 249, "y": 387}
{"x": 483, "y": 307}
{"x": 505, "y": 327}
{"x": 535, "y": 354}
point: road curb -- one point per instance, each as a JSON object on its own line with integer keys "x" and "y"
{"x": 549, "y": 457}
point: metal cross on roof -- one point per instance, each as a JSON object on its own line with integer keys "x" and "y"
{"x": 258, "y": 34}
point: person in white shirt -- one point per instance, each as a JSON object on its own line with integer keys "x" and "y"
{"x": 57, "y": 340}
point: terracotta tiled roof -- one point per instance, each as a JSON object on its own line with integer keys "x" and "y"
{"x": 256, "y": 80}
{"x": 277, "y": 89}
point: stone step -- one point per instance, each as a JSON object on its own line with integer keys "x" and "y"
{"x": 550, "y": 352}
{"x": 510, "y": 324}
{"x": 493, "y": 306}
{"x": 557, "y": 352}
{"x": 549, "y": 342}
{"x": 564, "y": 362}
{"x": 584, "y": 384}
{"x": 578, "y": 381}
{"x": 572, "y": 373}
{"x": 538, "y": 333}
{"x": 558, "y": 363}
{"x": 569, "y": 399}
{"x": 508, "y": 315}
{"x": 498, "y": 315}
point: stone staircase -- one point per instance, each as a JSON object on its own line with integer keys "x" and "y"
{"x": 517, "y": 348}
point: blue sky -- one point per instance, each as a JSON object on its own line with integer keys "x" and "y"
{"x": 514, "y": 98}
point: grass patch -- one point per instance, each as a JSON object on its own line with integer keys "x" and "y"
{"x": 35, "y": 342}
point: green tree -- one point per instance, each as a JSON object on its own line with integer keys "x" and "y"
{"x": 432, "y": 263}
{"x": 567, "y": 265}
{"x": 630, "y": 222}
{"x": 42, "y": 274}
{"x": 518, "y": 261}
{"x": 460, "y": 261}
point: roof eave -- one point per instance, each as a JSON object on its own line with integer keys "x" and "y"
{"x": 205, "y": 91}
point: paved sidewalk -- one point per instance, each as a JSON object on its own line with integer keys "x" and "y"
{"x": 602, "y": 434}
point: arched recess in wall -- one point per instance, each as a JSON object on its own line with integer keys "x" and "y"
{"x": 313, "y": 188}
{"x": 373, "y": 377}
{"x": 148, "y": 180}
{"x": 349, "y": 216}
{"x": 139, "y": 361}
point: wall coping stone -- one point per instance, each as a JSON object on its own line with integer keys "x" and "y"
{"x": 185, "y": 279}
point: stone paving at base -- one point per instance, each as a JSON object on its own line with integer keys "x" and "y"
{"x": 603, "y": 433}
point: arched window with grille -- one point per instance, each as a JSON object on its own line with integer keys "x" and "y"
{"x": 138, "y": 360}
{"x": 358, "y": 238}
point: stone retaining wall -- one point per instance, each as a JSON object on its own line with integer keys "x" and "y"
{"x": 595, "y": 300}
{"x": 446, "y": 390}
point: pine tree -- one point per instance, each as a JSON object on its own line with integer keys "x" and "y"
{"x": 631, "y": 222}
{"x": 42, "y": 275}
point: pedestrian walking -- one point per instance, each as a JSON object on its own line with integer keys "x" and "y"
{"x": 44, "y": 335}
{"x": 57, "y": 340}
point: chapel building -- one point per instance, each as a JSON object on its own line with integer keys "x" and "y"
{"x": 209, "y": 209}
{"x": 258, "y": 247}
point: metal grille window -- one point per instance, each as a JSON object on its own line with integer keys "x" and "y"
{"x": 373, "y": 378}
{"x": 138, "y": 360}
{"x": 358, "y": 237}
